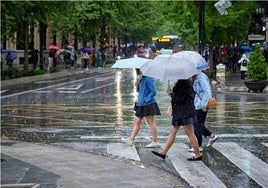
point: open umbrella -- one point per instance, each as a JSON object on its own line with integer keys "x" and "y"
{"x": 196, "y": 58}
{"x": 53, "y": 47}
{"x": 3, "y": 51}
{"x": 134, "y": 62}
{"x": 169, "y": 68}
{"x": 88, "y": 49}
{"x": 246, "y": 48}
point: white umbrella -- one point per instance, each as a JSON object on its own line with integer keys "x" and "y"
{"x": 169, "y": 68}
{"x": 196, "y": 58}
{"x": 134, "y": 62}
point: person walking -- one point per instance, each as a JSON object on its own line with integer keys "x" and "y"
{"x": 9, "y": 60}
{"x": 84, "y": 60}
{"x": 183, "y": 114}
{"x": 243, "y": 67}
{"x": 145, "y": 107}
{"x": 203, "y": 93}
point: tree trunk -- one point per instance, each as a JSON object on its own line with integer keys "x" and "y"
{"x": 26, "y": 45}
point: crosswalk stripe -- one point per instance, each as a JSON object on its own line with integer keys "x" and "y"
{"x": 250, "y": 164}
{"x": 266, "y": 144}
{"x": 123, "y": 150}
{"x": 196, "y": 173}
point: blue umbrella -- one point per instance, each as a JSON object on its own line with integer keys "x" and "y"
{"x": 88, "y": 49}
{"x": 3, "y": 51}
{"x": 246, "y": 48}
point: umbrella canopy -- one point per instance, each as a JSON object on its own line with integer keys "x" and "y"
{"x": 88, "y": 49}
{"x": 169, "y": 68}
{"x": 192, "y": 56}
{"x": 53, "y": 47}
{"x": 3, "y": 51}
{"x": 63, "y": 51}
{"x": 246, "y": 48}
{"x": 134, "y": 62}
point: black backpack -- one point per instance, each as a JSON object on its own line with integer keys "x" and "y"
{"x": 244, "y": 62}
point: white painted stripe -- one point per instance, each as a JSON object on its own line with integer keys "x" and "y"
{"x": 89, "y": 90}
{"x": 250, "y": 164}
{"x": 74, "y": 87}
{"x": 266, "y": 144}
{"x": 196, "y": 173}
{"x": 67, "y": 91}
{"x": 183, "y": 136}
{"x": 57, "y": 85}
{"x": 41, "y": 91}
{"x": 3, "y": 91}
{"x": 123, "y": 150}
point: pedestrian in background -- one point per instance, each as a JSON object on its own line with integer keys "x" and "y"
{"x": 145, "y": 107}
{"x": 9, "y": 60}
{"x": 243, "y": 66}
{"x": 84, "y": 60}
{"x": 183, "y": 114}
{"x": 202, "y": 94}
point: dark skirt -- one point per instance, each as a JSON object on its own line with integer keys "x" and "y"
{"x": 147, "y": 110}
{"x": 185, "y": 121}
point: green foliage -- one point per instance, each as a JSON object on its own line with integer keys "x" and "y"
{"x": 16, "y": 73}
{"x": 11, "y": 73}
{"x": 130, "y": 21}
{"x": 110, "y": 61}
{"x": 256, "y": 67}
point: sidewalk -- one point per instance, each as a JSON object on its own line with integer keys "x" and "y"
{"x": 25, "y": 164}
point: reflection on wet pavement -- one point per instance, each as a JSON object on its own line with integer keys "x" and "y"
{"x": 89, "y": 113}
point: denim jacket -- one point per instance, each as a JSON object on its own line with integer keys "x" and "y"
{"x": 147, "y": 91}
{"x": 202, "y": 88}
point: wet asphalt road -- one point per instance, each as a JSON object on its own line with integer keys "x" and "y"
{"x": 86, "y": 111}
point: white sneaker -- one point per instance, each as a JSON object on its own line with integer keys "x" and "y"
{"x": 192, "y": 149}
{"x": 211, "y": 141}
{"x": 127, "y": 141}
{"x": 153, "y": 145}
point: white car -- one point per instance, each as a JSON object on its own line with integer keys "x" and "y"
{"x": 165, "y": 53}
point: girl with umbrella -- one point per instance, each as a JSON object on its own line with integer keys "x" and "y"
{"x": 183, "y": 114}
{"x": 145, "y": 107}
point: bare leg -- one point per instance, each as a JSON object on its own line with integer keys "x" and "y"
{"x": 171, "y": 139}
{"x": 136, "y": 128}
{"x": 150, "y": 121}
{"x": 188, "y": 129}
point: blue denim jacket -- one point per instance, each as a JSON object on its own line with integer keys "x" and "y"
{"x": 147, "y": 91}
{"x": 201, "y": 86}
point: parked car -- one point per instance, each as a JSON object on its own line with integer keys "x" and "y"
{"x": 144, "y": 53}
{"x": 165, "y": 53}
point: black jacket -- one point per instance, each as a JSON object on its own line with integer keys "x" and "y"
{"x": 183, "y": 100}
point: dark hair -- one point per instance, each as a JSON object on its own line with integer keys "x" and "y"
{"x": 138, "y": 71}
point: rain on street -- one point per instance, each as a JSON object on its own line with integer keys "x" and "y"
{"x": 90, "y": 110}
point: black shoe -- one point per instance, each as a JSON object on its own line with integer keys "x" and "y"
{"x": 159, "y": 154}
{"x": 195, "y": 159}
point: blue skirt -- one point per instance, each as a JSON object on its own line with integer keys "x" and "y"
{"x": 185, "y": 121}
{"x": 147, "y": 110}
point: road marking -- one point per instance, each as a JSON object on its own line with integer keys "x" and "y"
{"x": 3, "y": 91}
{"x": 48, "y": 87}
{"x": 182, "y": 136}
{"x": 123, "y": 150}
{"x": 73, "y": 87}
{"x": 266, "y": 144}
{"x": 196, "y": 173}
{"x": 250, "y": 164}
{"x": 89, "y": 90}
